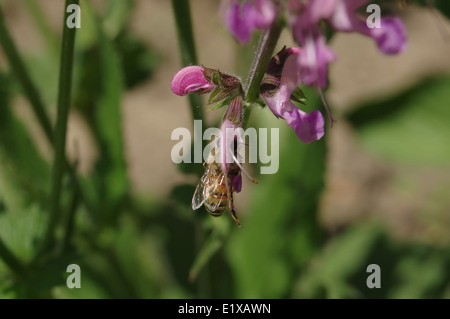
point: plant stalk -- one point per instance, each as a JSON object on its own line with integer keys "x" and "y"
{"x": 64, "y": 100}
{"x": 264, "y": 52}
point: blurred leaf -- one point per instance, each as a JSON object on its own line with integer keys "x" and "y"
{"x": 44, "y": 71}
{"x": 408, "y": 270}
{"x": 100, "y": 97}
{"x": 90, "y": 289}
{"x": 210, "y": 247}
{"x": 108, "y": 120}
{"x": 20, "y": 230}
{"x": 26, "y": 173}
{"x": 87, "y": 35}
{"x": 330, "y": 272}
{"x": 116, "y": 16}
{"x": 138, "y": 61}
{"x": 298, "y": 96}
{"x": 412, "y": 127}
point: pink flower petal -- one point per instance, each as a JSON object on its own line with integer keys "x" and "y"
{"x": 190, "y": 79}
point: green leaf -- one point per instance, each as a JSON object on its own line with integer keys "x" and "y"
{"x": 298, "y": 96}
{"x": 100, "y": 94}
{"x": 329, "y": 274}
{"x": 223, "y": 103}
{"x": 116, "y": 17}
{"x": 25, "y": 173}
{"x": 139, "y": 61}
{"x": 409, "y": 128}
{"x": 213, "y": 94}
{"x": 340, "y": 269}
{"x": 20, "y": 229}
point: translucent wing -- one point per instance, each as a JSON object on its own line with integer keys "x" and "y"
{"x": 199, "y": 195}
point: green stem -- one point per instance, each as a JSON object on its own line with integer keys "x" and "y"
{"x": 20, "y": 71}
{"x": 264, "y": 53}
{"x": 10, "y": 259}
{"x": 64, "y": 100}
{"x": 70, "y": 222}
{"x": 182, "y": 14}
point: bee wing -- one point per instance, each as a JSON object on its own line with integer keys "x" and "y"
{"x": 199, "y": 195}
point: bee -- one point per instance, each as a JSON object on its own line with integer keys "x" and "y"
{"x": 215, "y": 189}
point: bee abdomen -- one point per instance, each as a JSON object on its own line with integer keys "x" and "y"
{"x": 217, "y": 202}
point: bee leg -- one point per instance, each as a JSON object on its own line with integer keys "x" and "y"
{"x": 232, "y": 207}
{"x": 236, "y": 219}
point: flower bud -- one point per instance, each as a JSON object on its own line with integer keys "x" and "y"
{"x": 191, "y": 79}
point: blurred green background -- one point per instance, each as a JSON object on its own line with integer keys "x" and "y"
{"x": 374, "y": 190}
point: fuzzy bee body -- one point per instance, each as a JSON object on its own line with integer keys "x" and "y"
{"x": 216, "y": 194}
{"x": 215, "y": 190}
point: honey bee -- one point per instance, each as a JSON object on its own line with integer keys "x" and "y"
{"x": 215, "y": 189}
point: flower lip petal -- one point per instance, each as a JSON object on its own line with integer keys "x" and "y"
{"x": 190, "y": 79}
{"x": 309, "y": 127}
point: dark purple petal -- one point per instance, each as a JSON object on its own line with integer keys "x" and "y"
{"x": 228, "y": 131}
{"x": 190, "y": 79}
{"x": 236, "y": 183}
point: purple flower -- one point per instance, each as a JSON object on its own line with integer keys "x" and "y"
{"x": 243, "y": 18}
{"x": 308, "y": 126}
{"x": 305, "y": 20}
{"x": 340, "y": 14}
{"x": 391, "y": 37}
{"x": 191, "y": 79}
{"x": 313, "y": 62}
{"x": 316, "y": 56}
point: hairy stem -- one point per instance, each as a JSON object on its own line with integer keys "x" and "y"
{"x": 266, "y": 46}
{"x": 182, "y": 14}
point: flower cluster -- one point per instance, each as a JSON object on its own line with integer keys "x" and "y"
{"x": 280, "y": 86}
{"x": 306, "y": 64}
{"x": 305, "y": 19}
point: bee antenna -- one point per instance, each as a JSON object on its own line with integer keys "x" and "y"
{"x": 243, "y": 170}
